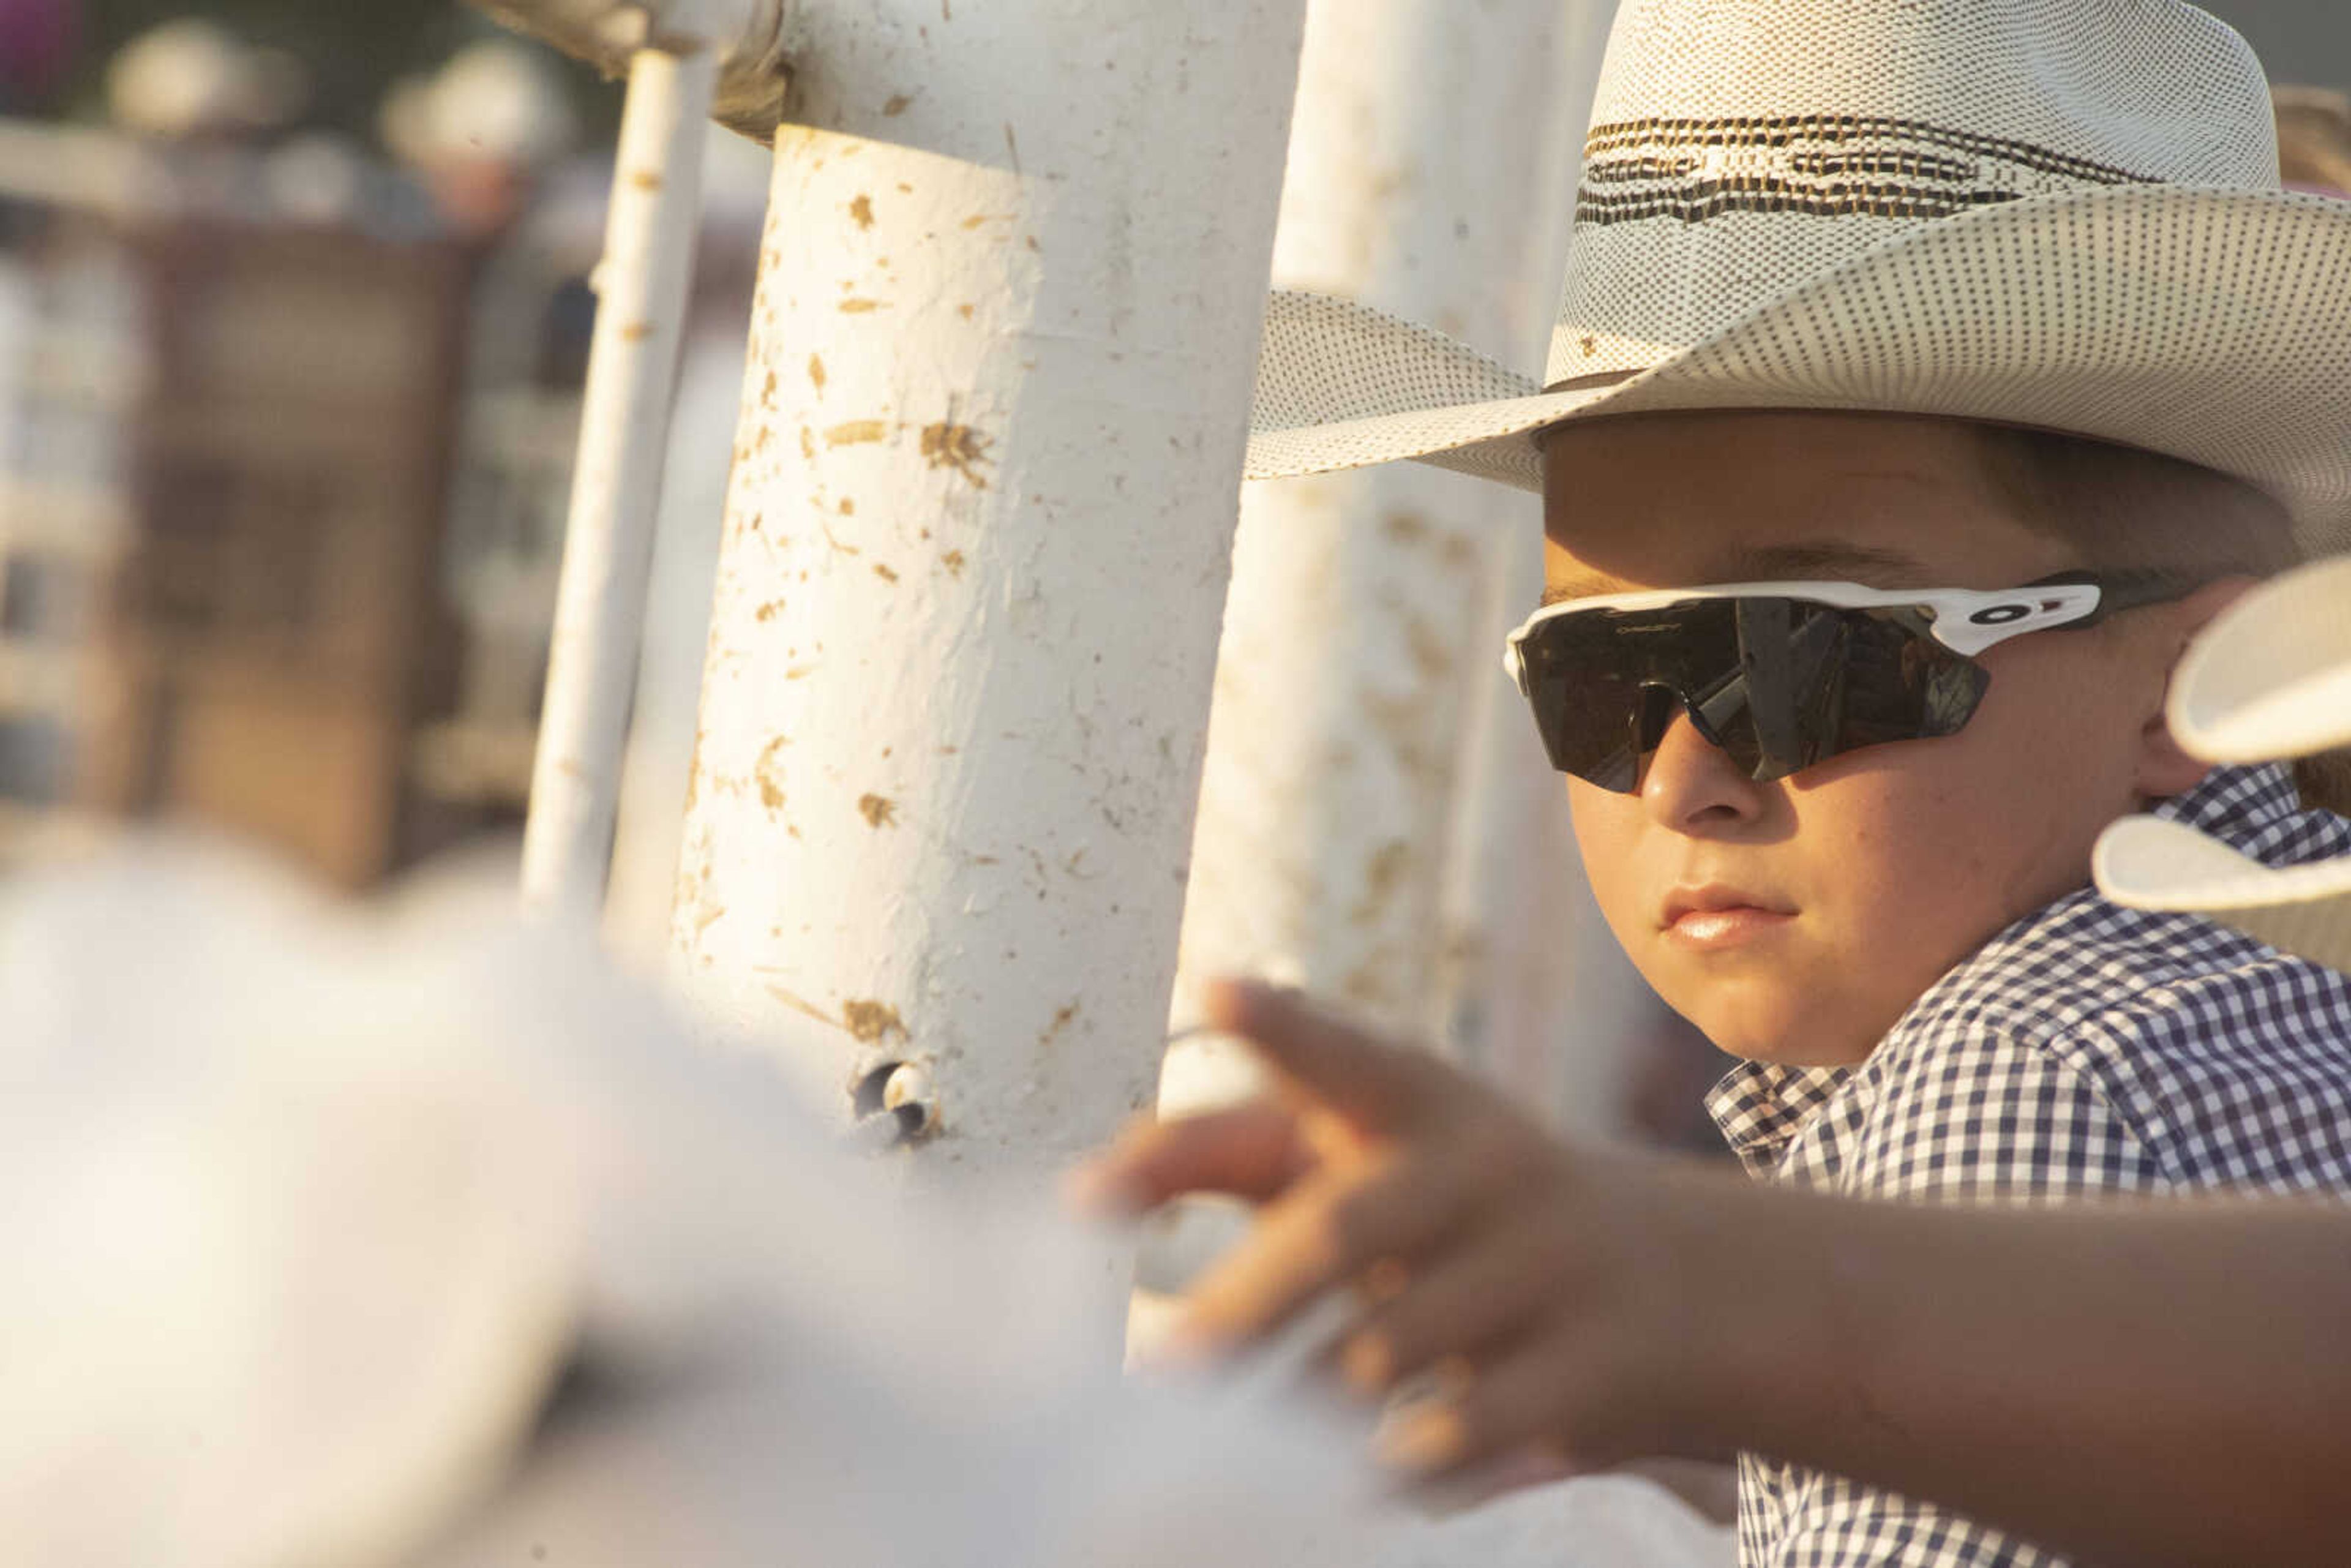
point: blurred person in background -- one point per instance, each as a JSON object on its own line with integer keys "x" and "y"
{"x": 484, "y": 133}
{"x": 209, "y": 102}
{"x": 2315, "y": 140}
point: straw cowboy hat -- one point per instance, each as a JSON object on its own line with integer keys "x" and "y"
{"x": 2061, "y": 214}
{"x": 2270, "y": 678}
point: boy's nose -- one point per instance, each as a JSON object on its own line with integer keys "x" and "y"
{"x": 1691, "y": 784}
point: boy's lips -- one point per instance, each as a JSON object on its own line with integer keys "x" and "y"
{"x": 1715, "y": 916}
{"x": 1712, "y": 898}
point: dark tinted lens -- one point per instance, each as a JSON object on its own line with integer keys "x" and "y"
{"x": 1590, "y": 679}
{"x": 1777, "y": 684}
{"x": 1590, "y": 725}
{"x": 1898, "y": 683}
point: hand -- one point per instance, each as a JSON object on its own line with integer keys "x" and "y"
{"x": 1481, "y": 1248}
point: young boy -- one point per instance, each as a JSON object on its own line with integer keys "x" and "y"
{"x": 1929, "y": 375}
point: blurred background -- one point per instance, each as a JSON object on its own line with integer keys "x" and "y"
{"x": 294, "y": 316}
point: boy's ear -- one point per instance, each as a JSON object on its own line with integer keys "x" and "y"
{"x": 2165, "y": 767}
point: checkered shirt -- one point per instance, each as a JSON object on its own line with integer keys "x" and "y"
{"x": 2086, "y": 1049}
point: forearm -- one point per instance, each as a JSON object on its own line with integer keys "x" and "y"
{"x": 2130, "y": 1384}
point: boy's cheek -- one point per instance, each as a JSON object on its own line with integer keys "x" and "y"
{"x": 1609, "y": 844}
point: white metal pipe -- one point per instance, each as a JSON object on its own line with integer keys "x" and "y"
{"x": 1535, "y": 991}
{"x": 976, "y": 554}
{"x": 642, "y": 286}
{"x": 1425, "y": 177}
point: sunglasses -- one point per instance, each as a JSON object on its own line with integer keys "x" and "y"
{"x": 1782, "y": 676}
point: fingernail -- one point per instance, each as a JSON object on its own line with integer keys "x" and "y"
{"x": 1420, "y": 1440}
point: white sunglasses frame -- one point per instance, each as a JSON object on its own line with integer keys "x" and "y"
{"x": 1966, "y": 620}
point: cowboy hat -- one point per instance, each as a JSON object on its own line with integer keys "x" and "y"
{"x": 2270, "y": 678}
{"x": 2056, "y": 214}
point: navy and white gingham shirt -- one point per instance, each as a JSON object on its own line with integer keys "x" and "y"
{"x": 2085, "y": 1049}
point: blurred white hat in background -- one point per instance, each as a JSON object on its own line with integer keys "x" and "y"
{"x": 194, "y": 77}
{"x": 493, "y": 102}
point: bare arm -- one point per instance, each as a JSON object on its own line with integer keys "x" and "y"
{"x": 2156, "y": 1384}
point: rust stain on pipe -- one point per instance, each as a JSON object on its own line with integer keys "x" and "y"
{"x": 959, "y": 447}
{"x": 870, "y": 1021}
{"x": 1060, "y": 1025}
{"x": 770, "y": 774}
{"x": 1380, "y": 879}
{"x": 798, "y": 1006}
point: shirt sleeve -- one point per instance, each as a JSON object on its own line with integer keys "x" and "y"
{"x": 1971, "y": 1113}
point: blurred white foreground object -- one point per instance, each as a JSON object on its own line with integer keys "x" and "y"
{"x": 2147, "y": 863}
{"x": 415, "y": 1238}
{"x": 1604, "y": 1521}
{"x": 2270, "y": 679}
{"x": 309, "y": 1214}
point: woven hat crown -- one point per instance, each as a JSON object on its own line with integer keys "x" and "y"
{"x": 1741, "y": 146}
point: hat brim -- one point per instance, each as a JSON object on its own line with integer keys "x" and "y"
{"x": 2209, "y": 325}
{"x": 2154, "y": 865}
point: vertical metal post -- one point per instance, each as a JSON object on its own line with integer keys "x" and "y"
{"x": 1533, "y": 991}
{"x": 1433, "y": 173}
{"x": 643, "y": 285}
{"x": 976, "y": 556}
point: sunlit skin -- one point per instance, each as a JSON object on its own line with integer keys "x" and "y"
{"x": 1892, "y": 863}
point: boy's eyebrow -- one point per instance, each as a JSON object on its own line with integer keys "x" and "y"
{"x": 1805, "y": 560}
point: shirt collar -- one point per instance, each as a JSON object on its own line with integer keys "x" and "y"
{"x": 2233, "y": 804}
{"x": 1760, "y": 1106}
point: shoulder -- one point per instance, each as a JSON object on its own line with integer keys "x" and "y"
{"x": 2226, "y": 1061}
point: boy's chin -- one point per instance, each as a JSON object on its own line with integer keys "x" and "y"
{"x": 1785, "y": 1031}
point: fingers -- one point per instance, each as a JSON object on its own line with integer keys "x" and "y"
{"x": 1534, "y": 1398}
{"x": 1331, "y": 1229}
{"x": 1255, "y": 1152}
{"x": 1379, "y": 1087}
{"x": 1466, "y": 1305}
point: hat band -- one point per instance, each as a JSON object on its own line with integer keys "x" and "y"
{"x": 1824, "y": 165}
